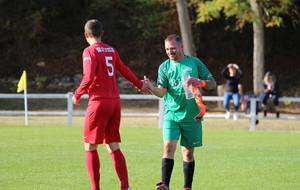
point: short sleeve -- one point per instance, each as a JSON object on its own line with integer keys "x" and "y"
{"x": 162, "y": 79}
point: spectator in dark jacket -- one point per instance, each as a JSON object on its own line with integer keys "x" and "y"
{"x": 270, "y": 90}
{"x": 232, "y": 73}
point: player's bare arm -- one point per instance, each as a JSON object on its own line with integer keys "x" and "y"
{"x": 145, "y": 89}
{"x": 206, "y": 84}
{"x": 157, "y": 91}
{"x": 210, "y": 85}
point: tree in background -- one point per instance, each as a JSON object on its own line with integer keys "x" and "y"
{"x": 261, "y": 13}
{"x": 38, "y": 31}
{"x": 136, "y": 28}
{"x": 51, "y": 33}
{"x": 185, "y": 27}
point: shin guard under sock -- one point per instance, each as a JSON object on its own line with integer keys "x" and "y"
{"x": 93, "y": 168}
{"x": 188, "y": 171}
{"x": 166, "y": 170}
{"x": 119, "y": 163}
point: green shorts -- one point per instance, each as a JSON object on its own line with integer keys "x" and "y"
{"x": 191, "y": 133}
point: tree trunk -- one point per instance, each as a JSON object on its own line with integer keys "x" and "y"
{"x": 258, "y": 47}
{"x": 185, "y": 27}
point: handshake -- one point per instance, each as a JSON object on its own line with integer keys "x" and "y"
{"x": 147, "y": 86}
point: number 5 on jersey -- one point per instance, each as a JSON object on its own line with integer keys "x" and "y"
{"x": 110, "y": 66}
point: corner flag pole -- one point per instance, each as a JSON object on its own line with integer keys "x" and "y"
{"x": 22, "y": 86}
{"x": 25, "y": 107}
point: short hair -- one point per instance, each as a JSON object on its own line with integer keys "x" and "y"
{"x": 175, "y": 37}
{"x": 94, "y": 27}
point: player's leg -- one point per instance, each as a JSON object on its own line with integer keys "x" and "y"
{"x": 188, "y": 166}
{"x": 92, "y": 165}
{"x": 171, "y": 135}
{"x": 112, "y": 139}
{"x": 167, "y": 163}
{"x": 119, "y": 163}
{"x": 91, "y": 128}
{"x": 96, "y": 119}
{"x": 191, "y": 136}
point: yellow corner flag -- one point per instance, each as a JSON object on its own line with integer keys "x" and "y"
{"x": 22, "y": 85}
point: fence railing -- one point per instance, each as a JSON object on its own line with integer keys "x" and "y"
{"x": 159, "y": 114}
{"x": 70, "y": 108}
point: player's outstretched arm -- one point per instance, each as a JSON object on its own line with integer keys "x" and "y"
{"x": 157, "y": 91}
{"x": 145, "y": 89}
{"x": 207, "y": 84}
{"x": 210, "y": 84}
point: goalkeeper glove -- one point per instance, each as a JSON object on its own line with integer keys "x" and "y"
{"x": 196, "y": 82}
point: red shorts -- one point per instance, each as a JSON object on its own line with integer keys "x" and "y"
{"x": 102, "y": 121}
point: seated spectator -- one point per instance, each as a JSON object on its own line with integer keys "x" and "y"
{"x": 232, "y": 73}
{"x": 270, "y": 91}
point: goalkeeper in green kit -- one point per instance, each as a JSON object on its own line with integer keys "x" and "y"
{"x": 175, "y": 76}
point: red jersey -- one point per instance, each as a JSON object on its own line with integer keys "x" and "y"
{"x": 100, "y": 64}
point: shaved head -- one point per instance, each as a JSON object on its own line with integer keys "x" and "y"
{"x": 174, "y": 48}
{"x": 93, "y": 27}
{"x": 174, "y": 37}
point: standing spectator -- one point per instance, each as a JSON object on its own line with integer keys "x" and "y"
{"x": 270, "y": 90}
{"x": 102, "y": 120}
{"x": 180, "y": 112}
{"x": 232, "y": 73}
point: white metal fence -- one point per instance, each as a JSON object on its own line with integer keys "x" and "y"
{"x": 70, "y": 109}
{"x": 159, "y": 114}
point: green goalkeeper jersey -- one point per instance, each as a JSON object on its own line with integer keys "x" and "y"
{"x": 170, "y": 76}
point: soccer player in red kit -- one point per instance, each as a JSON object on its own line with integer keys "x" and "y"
{"x": 102, "y": 120}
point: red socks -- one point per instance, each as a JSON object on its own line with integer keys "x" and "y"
{"x": 119, "y": 163}
{"x": 93, "y": 167}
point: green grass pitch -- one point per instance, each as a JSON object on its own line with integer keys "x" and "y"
{"x": 51, "y": 157}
